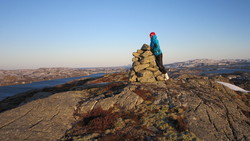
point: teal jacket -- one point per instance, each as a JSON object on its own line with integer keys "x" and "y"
{"x": 155, "y": 46}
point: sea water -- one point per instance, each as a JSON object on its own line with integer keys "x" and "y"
{"x": 6, "y": 91}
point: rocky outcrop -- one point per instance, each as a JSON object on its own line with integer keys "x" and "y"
{"x": 215, "y": 112}
{"x": 144, "y": 68}
{"x": 126, "y": 100}
{"x": 187, "y": 107}
{"x": 43, "y": 119}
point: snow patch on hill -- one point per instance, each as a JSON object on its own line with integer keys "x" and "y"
{"x": 233, "y": 87}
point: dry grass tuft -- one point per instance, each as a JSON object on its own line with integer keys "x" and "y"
{"x": 146, "y": 95}
{"x": 95, "y": 121}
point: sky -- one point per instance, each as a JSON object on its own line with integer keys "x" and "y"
{"x": 105, "y": 33}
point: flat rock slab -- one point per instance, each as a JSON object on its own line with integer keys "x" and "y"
{"x": 43, "y": 119}
{"x": 126, "y": 100}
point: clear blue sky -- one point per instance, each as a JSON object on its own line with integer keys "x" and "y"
{"x": 97, "y": 33}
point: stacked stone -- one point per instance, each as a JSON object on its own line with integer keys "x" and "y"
{"x": 144, "y": 68}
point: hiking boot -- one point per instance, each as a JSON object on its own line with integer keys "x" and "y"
{"x": 166, "y": 77}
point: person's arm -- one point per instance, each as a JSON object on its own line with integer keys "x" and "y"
{"x": 156, "y": 46}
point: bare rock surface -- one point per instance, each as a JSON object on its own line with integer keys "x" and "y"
{"x": 126, "y": 100}
{"x": 187, "y": 107}
{"x": 215, "y": 111}
{"x": 43, "y": 119}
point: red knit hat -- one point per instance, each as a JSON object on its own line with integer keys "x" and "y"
{"x": 152, "y": 34}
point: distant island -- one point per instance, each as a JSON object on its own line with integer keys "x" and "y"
{"x": 25, "y": 76}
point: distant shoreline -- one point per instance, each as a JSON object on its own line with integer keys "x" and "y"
{"x": 16, "y": 77}
{"x": 6, "y": 91}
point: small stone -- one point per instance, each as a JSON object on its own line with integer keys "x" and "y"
{"x": 151, "y": 58}
{"x": 159, "y": 78}
{"x": 152, "y": 69}
{"x": 146, "y": 54}
{"x": 133, "y": 78}
{"x": 140, "y": 51}
{"x": 145, "y": 47}
{"x": 157, "y": 73}
{"x": 136, "y": 63}
{"x": 134, "y": 59}
{"x": 144, "y": 61}
{"x": 146, "y": 73}
{"x": 146, "y": 76}
{"x": 153, "y": 63}
{"x": 146, "y": 79}
{"x": 132, "y": 72}
{"x": 148, "y": 59}
{"x": 135, "y": 54}
{"x": 140, "y": 67}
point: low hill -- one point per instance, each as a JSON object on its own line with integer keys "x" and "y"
{"x": 186, "y": 107}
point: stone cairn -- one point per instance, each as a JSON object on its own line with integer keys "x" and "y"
{"x": 144, "y": 68}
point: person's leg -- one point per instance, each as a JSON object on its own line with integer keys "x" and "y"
{"x": 160, "y": 64}
{"x": 161, "y": 67}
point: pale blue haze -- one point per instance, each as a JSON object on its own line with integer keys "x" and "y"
{"x": 97, "y": 33}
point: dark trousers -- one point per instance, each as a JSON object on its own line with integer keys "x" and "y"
{"x": 159, "y": 64}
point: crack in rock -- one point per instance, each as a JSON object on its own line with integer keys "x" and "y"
{"x": 12, "y": 121}
{"x": 195, "y": 109}
{"x": 36, "y": 123}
